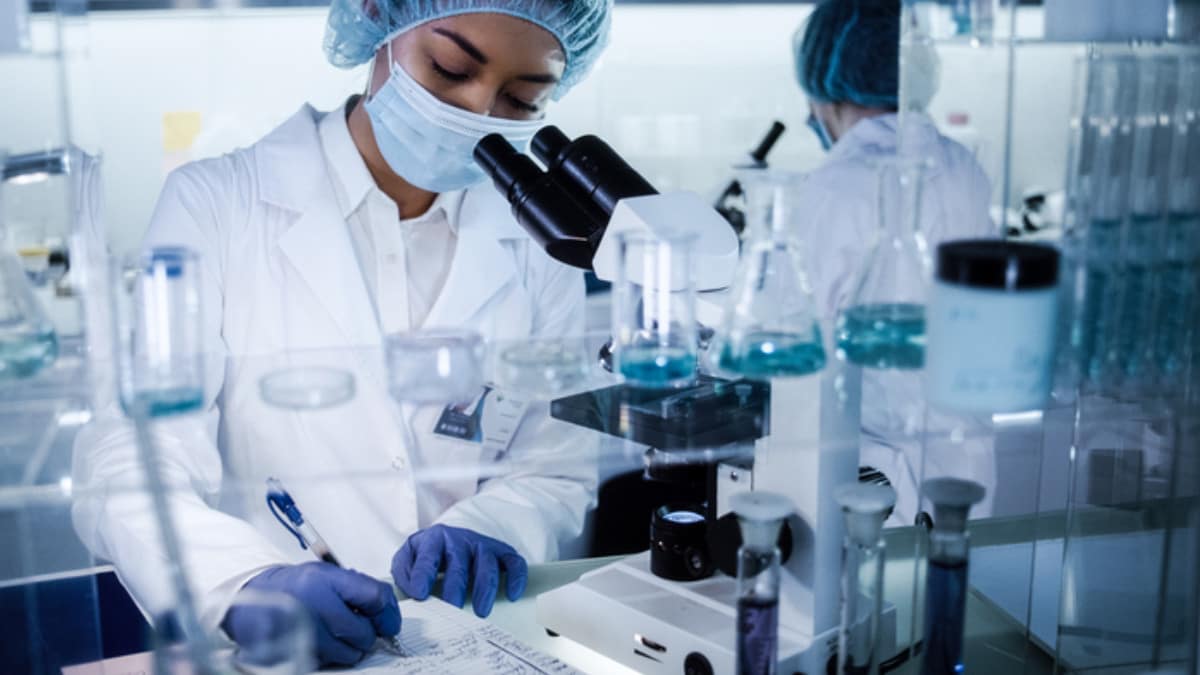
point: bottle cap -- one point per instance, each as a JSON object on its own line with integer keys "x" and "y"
{"x": 997, "y": 264}
{"x": 952, "y": 500}
{"x": 865, "y": 507}
{"x": 760, "y": 516}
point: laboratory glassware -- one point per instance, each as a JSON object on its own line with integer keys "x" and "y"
{"x": 1178, "y": 303}
{"x": 435, "y": 366}
{"x": 760, "y": 516}
{"x": 307, "y": 388}
{"x": 654, "y": 311}
{"x": 542, "y": 367}
{"x": 160, "y": 337}
{"x": 865, "y": 507}
{"x": 883, "y": 325}
{"x": 1003, "y": 295}
{"x": 946, "y": 573}
{"x": 282, "y": 640}
{"x": 1145, "y": 222}
{"x": 28, "y": 341}
{"x": 770, "y": 327}
{"x": 1098, "y": 205}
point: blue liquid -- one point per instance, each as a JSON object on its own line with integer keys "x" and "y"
{"x": 657, "y": 367}
{"x": 24, "y": 354}
{"x": 757, "y": 636}
{"x": 1131, "y": 337}
{"x": 1176, "y": 302}
{"x": 884, "y": 336}
{"x": 166, "y": 402}
{"x": 774, "y": 354}
{"x": 945, "y": 610}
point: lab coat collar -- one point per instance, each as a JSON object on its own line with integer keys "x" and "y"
{"x": 349, "y": 169}
{"x": 482, "y": 266}
{"x": 292, "y": 175}
{"x": 877, "y": 136}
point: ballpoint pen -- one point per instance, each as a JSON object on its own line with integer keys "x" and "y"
{"x": 278, "y": 500}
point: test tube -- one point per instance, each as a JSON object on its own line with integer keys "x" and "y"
{"x": 865, "y": 507}
{"x": 760, "y": 516}
{"x": 654, "y": 311}
{"x": 160, "y": 326}
{"x": 946, "y": 573}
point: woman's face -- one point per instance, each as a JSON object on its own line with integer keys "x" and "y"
{"x": 487, "y": 63}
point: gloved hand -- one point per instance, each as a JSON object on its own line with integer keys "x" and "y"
{"x": 459, "y": 552}
{"x": 348, "y": 608}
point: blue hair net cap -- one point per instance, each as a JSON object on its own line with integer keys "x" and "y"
{"x": 357, "y": 28}
{"x": 848, "y": 52}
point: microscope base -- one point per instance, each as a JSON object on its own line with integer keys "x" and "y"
{"x": 655, "y": 625}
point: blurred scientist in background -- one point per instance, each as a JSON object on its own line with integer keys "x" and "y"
{"x": 847, "y": 63}
{"x": 333, "y": 230}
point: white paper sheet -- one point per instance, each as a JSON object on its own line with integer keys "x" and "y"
{"x": 442, "y": 639}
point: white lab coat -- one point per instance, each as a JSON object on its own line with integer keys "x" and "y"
{"x": 280, "y": 274}
{"x": 839, "y": 220}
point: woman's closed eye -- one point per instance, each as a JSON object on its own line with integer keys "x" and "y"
{"x": 448, "y": 74}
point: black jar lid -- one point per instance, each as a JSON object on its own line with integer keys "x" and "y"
{"x": 997, "y": 264}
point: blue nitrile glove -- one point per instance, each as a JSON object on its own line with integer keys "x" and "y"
{"x": 349, "y": 609}
{"x": 461, "y": 553}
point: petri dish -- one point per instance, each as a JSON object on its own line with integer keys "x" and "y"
{"x": 435, "y": 366}
{"x": 542, "y": 366}
{"x": 307, "y": 388}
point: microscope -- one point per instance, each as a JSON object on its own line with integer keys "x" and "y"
{"x": 673, "y": 609}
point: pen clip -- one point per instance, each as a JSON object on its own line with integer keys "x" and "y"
{"x": 282, "y": 501}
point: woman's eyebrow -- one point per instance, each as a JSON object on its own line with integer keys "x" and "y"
{"x": 463, "y": 44}
{"x": 473, "y": 51}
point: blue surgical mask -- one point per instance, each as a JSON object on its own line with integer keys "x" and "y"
{"x": 429, "y": 143}
{"x": 818, "y": 128}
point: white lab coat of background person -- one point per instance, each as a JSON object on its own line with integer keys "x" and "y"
{"x": 839, "y": 221}
{"x": 280, "y": 273}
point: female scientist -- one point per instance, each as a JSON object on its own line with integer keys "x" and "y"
{"x": 847, "y": 63}
{"x": 333, "y": 230}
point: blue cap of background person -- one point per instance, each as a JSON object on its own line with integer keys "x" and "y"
{"x": 358, "y": 28}
{"x": 848, "y": 52}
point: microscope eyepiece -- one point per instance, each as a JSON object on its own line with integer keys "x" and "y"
{"x": 507, "y": 167}
{"x": 548, "y": 143}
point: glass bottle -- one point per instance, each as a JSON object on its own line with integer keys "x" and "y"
{"x": 946, "y": 573}
{"x": 760, "y": 516}
{"x": 770, "y": 328}
{"x": 883, "y": 325}
{"x": 865, "y": 507}
{"x": 28, "y": 341}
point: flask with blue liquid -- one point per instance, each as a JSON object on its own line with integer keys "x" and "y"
{"x": 770, "y": 327}
{"x": 883, "y": 325}
{"x": 28, "y": 341}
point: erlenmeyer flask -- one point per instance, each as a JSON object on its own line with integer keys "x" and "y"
{"x": 770, "y": 328}
{"x": 28, "y": 341}
{"x": 883, "y": 325}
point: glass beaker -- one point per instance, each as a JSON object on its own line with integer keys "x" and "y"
{"x": 160, "y": 337}
{"x": 760, "y": 517}
{"x": 654, "y": 311}
{"x": 865, "y": 507}
{"x": 946, "y": 574}
{"x": 883, "y": 325}
{"x": 28, "y": 341}
{"x": 769, "y": 328}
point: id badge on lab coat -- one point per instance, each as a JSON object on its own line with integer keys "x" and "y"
{"x": 491, "y": 419}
